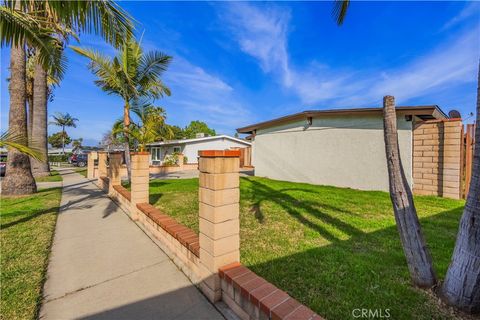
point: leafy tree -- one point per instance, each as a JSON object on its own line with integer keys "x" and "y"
{"x": 195, "y": 127}
{"x": 59, "y": 140}
{"x": 132, "y": 75}
{"x": 64, "y": 120}
{"x": 177, "y": 132}
{"x": 77, "y": 143}
{"x": 110, "y": 141}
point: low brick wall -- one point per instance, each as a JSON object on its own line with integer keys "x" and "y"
{"x": 252, "y": 297}
{"x": 209, "y": 259}
{"x": 437, "y": 158}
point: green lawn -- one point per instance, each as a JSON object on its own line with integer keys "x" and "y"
{"x": 82, "y": 171}
{"x": 333, "y": 249}
{"x": 53, "y": 177}
{"x": 27, "y": 225}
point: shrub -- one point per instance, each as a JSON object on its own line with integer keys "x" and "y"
{"x": 170, "y": 160}
{"x": 58, "y": 158}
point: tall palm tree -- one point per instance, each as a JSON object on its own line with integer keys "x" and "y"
{"x": 461, "y": 287}
{"x": 18, "y": 177}
{"x": 131, "y": 75}
{"x": 64, "y": 120}
{"x": 25, "y": 22}
{"x": 39, "y": 93}
{"x": 150, "y": 127}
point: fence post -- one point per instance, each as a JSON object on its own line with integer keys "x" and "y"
{"x": 115, "y": 164}
{"x": 140, "y": 180}
{"x": 219, "y": 224}
{"x": 102, "y": 167}
{"x": 92, "y": 156}
{"x": 180, "y": 160}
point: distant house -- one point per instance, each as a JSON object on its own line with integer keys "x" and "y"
{"x": 190, "y": 147}
{"x": 346, "y": 148}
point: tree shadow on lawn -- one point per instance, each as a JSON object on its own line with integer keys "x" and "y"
{"x": 366, "y": 271}
{"x": 27, "y": 216}
{"x": 293, "y": 206}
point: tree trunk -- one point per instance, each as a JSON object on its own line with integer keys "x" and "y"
{"x": 18, "y": 177}
{"x": 63, "y": 140}
{"x": 30, "y": 113}
{"x": 419, "y": 260}
{"x": 126, "y": 125}
{"x": 462, "y": 282}
{"x": 39, "y": 131}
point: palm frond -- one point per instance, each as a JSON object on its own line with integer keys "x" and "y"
{"x": 18, "y": 28}
{"x": 339, "y": 12}
{"x": 20, "y": 143}
{"x": 100, "y": 17}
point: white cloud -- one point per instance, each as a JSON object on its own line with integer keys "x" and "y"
{"x": 199, "y": 95}
{"x": 263, "y": 35}
{"x": 472, "y": 9}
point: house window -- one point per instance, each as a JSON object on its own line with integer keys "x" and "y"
{"x": 176, "y": 149}
{"x": 155, "y": 154}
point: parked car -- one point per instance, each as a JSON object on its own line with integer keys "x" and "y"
{"x": 80, "y": 160}
{"x": 3, "y": 165}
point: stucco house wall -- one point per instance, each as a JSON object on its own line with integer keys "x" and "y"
{"x": 190, "y": 147}
{"x": 340, "y": 150}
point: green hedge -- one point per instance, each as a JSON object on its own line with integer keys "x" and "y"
{"x": 58, "y": 158}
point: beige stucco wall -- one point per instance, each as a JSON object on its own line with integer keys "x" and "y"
{"x": 346, "y": 151}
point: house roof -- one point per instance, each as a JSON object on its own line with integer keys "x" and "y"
{"x": 424, "y": 112}
{"x": 186, "y": 141}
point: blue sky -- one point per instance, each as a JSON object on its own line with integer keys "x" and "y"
{"x": 235, "y": 63}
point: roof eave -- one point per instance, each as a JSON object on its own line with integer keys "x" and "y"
{"x": 432, "y": 110}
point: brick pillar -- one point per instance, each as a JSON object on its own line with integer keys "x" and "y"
{"x": 114, "y": 167}
{"x": 180, "y": 160}
{"x": 140, "y": 179}
{"x": 102, "y": 165}
{"x": 92, "y": 156}
{"x": 219, "y": 197}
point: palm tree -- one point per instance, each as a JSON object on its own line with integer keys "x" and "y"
{"x": 461, "y": 287}
{"x": 30, "y": 22}
{"x": 18, "y": 177}
{"x": 131, "y": 75}
{"x": 150, "y": 126}
{"x": 64, "y": 120}
{"x": 418, "y": 257}
{"x": 39, "y": 94}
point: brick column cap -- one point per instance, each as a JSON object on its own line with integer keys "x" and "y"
{"x": 219, "y": 153}
{"x": 140, "y": 153}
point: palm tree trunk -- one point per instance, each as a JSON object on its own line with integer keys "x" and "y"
{"x": 126, "y": 125}
{"x": 39, "y": 131}
{"x": 18, "y": 178}
{"x": 30, "y": 115}
{"x": 462, "y": 282}
{"x": 418, "y": 257}
{"x": 63, "y": 140}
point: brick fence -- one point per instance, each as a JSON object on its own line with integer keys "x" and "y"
{"x": 437, "y": 158}
{"x": 210, "y": 259}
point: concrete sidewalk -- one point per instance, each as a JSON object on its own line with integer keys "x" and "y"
{"x": 102, "y": 266}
